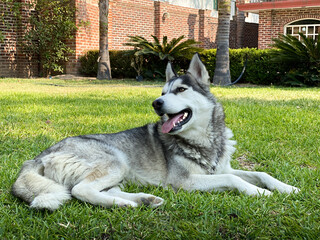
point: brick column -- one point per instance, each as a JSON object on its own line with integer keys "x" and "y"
{"x": 267, "y": 28}
{"x": 157, "y": 19}
{"x": 87, "y": 36}
{"x": 240, "y": 28}
{"x": 201, "y": 27}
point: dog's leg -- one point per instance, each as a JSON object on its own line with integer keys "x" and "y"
{"x": 263, "y": 179}
{"x": 139, "y": 198}
{"x": 39, "y": 191}
{"x": 219, "y": 182}
{"x": 90, "y": 190}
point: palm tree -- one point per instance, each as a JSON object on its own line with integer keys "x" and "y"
{"x": 104, "y": 69}
{"x": 222, "y": 70}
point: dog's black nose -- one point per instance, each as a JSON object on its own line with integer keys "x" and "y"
{"x": 157, "y": 104}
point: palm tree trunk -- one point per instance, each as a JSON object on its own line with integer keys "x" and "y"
{"x": 222, "y": 71}
{"x": 104, "y": 69}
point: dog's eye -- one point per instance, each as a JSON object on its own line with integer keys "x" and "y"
{"x": 181, "y": 89}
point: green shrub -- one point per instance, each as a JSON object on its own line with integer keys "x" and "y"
{"x": 89, "y": 63}
{"x": 52, "y": 26}
{"x": 120, "y": 64}
{"x": 164, "y": 50}
{"x": 259, "y": 70}
{"x": 303, "y": 56}
{"x": 156, "y": 54}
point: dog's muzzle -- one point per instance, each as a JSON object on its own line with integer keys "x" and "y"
{"x": 174, "y": 121}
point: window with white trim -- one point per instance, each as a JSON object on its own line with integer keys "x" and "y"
{"x": 309, "y": 27}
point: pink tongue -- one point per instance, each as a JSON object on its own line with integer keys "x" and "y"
{"x": 168, "y": 125}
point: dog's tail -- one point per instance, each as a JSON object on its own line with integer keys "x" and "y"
{"x": 36, "y": 189}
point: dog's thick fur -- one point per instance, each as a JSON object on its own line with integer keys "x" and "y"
{"x": 189, "y": 148}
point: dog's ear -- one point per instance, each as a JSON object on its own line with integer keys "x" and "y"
{"x": 198, "y": 70}
{"x": 170, "y": 73}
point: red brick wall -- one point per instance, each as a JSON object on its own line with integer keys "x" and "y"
{"x": 87, "y": 36}
{"x": 146, "y": 18}
{"x": 243, "y": 34}
{"x": 13, "y": 63}
{"x": 126, "y": 17}
{"x": 207, "y": 29}
{"x": 250, "y": 35}
{"x": 272, "y": 22}
{"x": 175, "y": 21}
{"x": 233, "y": 34}
{"x": 139, "y": 17}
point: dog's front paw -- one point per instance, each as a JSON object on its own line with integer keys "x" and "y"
{"x": 289, "y": 189}
{"x": 258, "y": 192}
{"x": 295, "y": 190}
{"x": 152, "y": 201}
{"x": 263, "y": 192}
{"x": 126, "y": 203}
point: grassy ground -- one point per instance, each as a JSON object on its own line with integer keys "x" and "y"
{"x": 277, "y": 131}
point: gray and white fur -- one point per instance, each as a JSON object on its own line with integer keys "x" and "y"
{"x": 189, "y": 148}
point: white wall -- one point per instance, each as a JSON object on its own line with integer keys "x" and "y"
{"x": 198, "y": 4}
{"x": 201, "y": 4}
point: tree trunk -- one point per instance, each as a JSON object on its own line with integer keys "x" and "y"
{"x": 222, "y": 71}
{"x": 104, "y": 69}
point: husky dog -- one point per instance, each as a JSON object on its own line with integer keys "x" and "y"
{"x": 189, "y": 148}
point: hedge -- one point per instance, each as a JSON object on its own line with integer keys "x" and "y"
{"x": 259, "y": 70}
{"x": 120, "y": 62}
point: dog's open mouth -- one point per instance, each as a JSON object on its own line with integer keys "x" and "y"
{"x": 176, "y": 121}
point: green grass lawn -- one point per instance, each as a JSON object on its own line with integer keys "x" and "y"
{"x": 277, "y": 130}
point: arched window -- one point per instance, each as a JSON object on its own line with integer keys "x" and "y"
{"x": 309, "y": 27}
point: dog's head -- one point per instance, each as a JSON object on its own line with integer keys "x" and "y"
{"x": 186, "y": 101}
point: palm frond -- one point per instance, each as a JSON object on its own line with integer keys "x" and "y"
{"x": 139, "y": 43}
{"x": 292, "y": 50}
{"x": 165, "y": 50}
{"x": 156, "y": 40}
{"x": 175, "y": 41}
{"x": 185, "y": 48}
{"x": 302, "y": 55}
